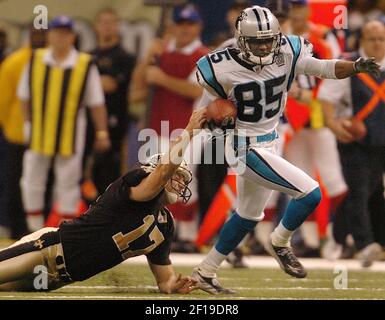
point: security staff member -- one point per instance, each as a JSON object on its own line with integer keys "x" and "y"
{"x": 115, "y": 66}
{"x": 55, "y": 87}
{"x": 363, "y": 161}
{"x": 11, "y": 121}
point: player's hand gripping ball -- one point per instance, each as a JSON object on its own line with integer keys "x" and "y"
{"x": 222, "y": 113}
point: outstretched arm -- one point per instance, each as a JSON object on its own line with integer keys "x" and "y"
{"x": 345, "y": 69}
{"x": 337, "y": 69}
{"x": 150, "y": 187}
{"x": 169, "y": 282}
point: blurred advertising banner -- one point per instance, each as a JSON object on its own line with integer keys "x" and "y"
{"x": 326, "y": 11}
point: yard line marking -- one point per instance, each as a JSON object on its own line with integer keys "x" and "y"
{"x": 305, "y": 288}
{"x": 236, "y": 288}
{"x": 192, "y": 259}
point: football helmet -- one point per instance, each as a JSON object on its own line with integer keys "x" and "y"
{"x": 179, "y": 186}
{"x": 258, "y": 35}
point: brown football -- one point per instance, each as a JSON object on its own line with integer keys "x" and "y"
{"x": 222, "y": 112}
{"x": 357, "y": 129}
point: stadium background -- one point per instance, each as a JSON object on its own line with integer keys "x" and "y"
{"x": 138, "y": 29}
{"x": 139, "y": 20}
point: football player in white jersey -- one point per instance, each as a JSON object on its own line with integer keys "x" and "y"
{"x": 256, "y": 77}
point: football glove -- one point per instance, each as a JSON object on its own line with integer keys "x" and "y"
{"x": 367, "y": 66}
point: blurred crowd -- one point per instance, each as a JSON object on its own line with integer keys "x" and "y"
{"x": 70, "y": 121}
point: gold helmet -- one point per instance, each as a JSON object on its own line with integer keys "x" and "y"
{"x": 183, "y": 191}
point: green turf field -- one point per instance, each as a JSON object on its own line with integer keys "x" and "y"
{"x": 136, "y": 282}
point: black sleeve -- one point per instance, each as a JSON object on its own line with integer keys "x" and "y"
{"x": 117, "y": 195}
{"x": 161, "y": 254}
{"x": 129, "y": 180}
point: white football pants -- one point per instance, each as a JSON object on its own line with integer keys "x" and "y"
{"x": 67, "y": 172}
{"x": 260, "y": 171}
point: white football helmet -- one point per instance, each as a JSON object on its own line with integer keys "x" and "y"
{"x": 257, "y": 27}
{"x": 181, "y": 189}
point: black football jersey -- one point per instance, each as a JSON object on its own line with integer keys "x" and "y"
{"x": 116, "y": 228}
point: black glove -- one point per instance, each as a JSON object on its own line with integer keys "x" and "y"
{"x": 367, "y": 66}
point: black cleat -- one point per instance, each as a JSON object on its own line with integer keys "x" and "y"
{"x": 286, "y": 260}
{"x": 209, "y": 284}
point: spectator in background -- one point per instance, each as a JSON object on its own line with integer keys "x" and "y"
{"x": 360, "y": 12}
{"x": 281, "y": 9}
{"x": 363, "y": 161}
{"x": 11, "y": 120}
{"x": 54, "y": 89}
{"x": 223, "y": 40}
{"x": 301, "y": 24}
{"x": 170, "y": 70}
{"x": 115, "y": 66}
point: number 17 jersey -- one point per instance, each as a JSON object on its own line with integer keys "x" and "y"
{"x": 259, "y": 92}
{"x": 116, "y": 228}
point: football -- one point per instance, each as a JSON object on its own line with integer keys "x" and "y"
{"x": 222, "y": 112}
{"x": 357, "y": 129}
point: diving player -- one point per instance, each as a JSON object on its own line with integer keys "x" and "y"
{"x": 256, "y": 77}
{"x": 127, "y": 220}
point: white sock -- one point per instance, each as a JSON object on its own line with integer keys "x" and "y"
{"x": 35, "y": 222}
{"x": 281, "y": 236}
{"x": 210, "y": 265}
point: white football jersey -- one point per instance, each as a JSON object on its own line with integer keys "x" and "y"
{"x": 259, "y": 93}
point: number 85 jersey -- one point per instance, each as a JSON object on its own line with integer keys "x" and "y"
{"x": 259, "y": 92}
